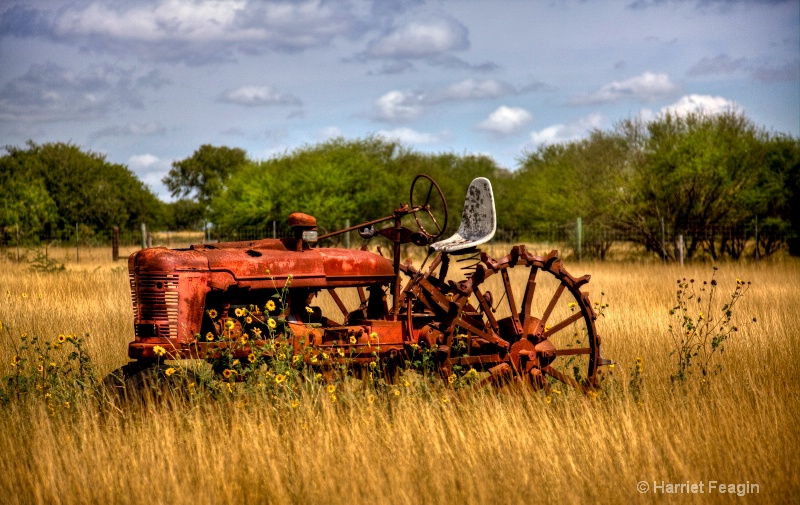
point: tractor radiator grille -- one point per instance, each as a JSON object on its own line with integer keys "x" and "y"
{"x": 155, "y": 301}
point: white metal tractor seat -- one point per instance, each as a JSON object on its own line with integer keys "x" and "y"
{"x": 478, "y": 220}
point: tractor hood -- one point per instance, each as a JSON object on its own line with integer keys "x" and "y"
{"x": 267, "y": 263}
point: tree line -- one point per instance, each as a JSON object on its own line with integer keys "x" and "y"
{"x": 709, "y": 178}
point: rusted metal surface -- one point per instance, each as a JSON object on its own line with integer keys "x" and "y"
{"x": 181, "y": 296}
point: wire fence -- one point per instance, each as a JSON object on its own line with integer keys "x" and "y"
{"x": 578, "y": 238}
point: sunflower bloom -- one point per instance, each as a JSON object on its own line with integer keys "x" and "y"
{"x": 353, "y": 339}
{"x": 280, "y": 378}
{"x": 62, "y": 338}
{"x": 227, "y": 373}
{"x": 251, "y": 357}
{"x": 452, "y": 378}
{"x": 209, "y": 336}
{"x": 271, "y": 323}
{"x": 169, "y": 371}
{"x": 295, "y": 403}
{"x": 212, "y": 314}
{"x": 270, "y": 306}
{"x": 248, "y": 320}
{"x": 373, "y": 335}
{"x": 239, "y": 312}
{"x": 309, "y": 310}
{"x": 159, "y": 351}
{"x": 331, "y": 388}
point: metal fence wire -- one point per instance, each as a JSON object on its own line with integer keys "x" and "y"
{"x": 588, "y": 240}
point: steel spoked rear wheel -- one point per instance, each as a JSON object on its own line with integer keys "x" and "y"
{"x": 534, "y": 304}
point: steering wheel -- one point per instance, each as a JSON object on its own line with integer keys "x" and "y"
{"x": 431, "y": 207}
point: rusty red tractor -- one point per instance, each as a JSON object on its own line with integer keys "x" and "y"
{"x": 521, "y": 317}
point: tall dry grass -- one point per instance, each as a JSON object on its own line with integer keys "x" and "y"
{"x": 477, "y": 447}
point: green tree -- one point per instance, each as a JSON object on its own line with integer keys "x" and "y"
{"x": 556, "y": 184}
{"x": 697, "y": 173}
{"x": 83, "y": 186}
{"x": 205, "y": 173}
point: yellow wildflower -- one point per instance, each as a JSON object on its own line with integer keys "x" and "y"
{"x": 239, "y": 312}
{"x": 548, "y": 399}
{"x": 353, "y": 339}
{"x": 331, "y": 388}
{"x": 309, "y": 310}
{"x": 227, "y": 373}
{"x": 235, "y": 362}
{"x": 295, "y": 403}
{"x": 313, "y": 359}
{"x": 373, "y": 365}
{"x": 444, "y": 399}
{"x": 159, "y": 351}
{"x": 40, "y": 368}
{"x": 251, "y": 357}
{"x": 243, "y": 339}
{"x": 229, "y": 324}
{"x": 270, "y": 306}
{"x": 296, "y": 358}
{"x": 373, "y": 335}
{"x": 397, "y": 392}
{"x": 371, "y": 398}
{"x": 280, "y": 378}
{"x": 340, "y": 351}
{"x": 212, "y": 314}
{"x": 209, "y": 336}
{"x": 15, "y": 360}
{"x": 572, "y": 305}
{"x": 169, "y": 371}
{"x": 452, "y": 378}
{"x": 333, "y": 398}
{"x": 62, "y": 338}
{"x": 66, "y": 405}
{"x": 318, "y": 377}
{"x": 257, "y": 332}
{"x": 271, "y": 323}
{"x": 248, "y": 320}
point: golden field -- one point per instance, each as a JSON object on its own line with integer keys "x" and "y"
{"x": 742, "y": 426}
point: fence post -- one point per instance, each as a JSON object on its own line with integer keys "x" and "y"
{"x": 663, "y": 240}
{"x": 756, "y": 238}
{"x": 144, "y": 236}
{"x": 347, "y": 235}
{"x": 680, "y": 247}
{"x": 274, "y": 229}
{"x": 580, "y": 237}
{"x": 115, "y": 243}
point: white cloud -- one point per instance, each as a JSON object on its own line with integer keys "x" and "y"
{"x": 471, "y": 89}
{"x": 558, "y": 133}
{"x": 330, "y": 132}
{"x": 646, "y": 87}
{"x": 421, "y": 39}
{"x": 409, "y": 136}
{"x": 705, "y": 104}
{"x": 259, "y": 96}
{"x": 506, "y": 120}
{"x": 133, "y": 130}
{"x": 151, "y": 169}
{"x": 398, "y": 106}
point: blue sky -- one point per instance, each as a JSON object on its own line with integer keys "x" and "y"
{"x": 148, "y": 82}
